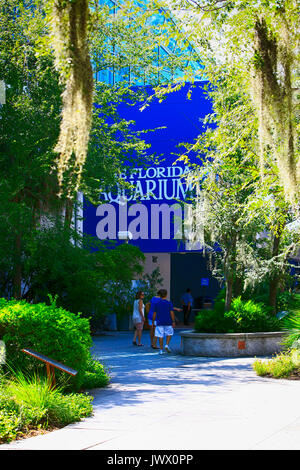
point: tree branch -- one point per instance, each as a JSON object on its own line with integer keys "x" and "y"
{"x": 210, "y": 7}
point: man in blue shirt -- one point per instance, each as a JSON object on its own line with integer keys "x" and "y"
{"x": 187, "y": 302}
{"x": 152, "y": 323}
{"x": 165, "y": 321}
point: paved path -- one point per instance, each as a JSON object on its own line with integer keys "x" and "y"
{"x": 177, "y": 402}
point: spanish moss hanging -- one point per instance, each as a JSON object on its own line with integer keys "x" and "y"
{"x": 69, "y": 38}
{"x": 273, "y": 95}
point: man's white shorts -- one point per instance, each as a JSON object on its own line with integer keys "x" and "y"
{"x": 161, "y": 331}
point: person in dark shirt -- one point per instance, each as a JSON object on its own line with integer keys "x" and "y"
{"x": 150, "y": 306}
{"x": 165, "y": 321}
{"x": 187, "y": 303}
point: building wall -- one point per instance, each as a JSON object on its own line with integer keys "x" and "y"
{"x": 183, "y": 270}
{"x": 163, "y": 261}
{"x": 191, "y": 270}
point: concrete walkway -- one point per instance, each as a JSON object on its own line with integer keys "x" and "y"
{"x": 179, "y": 403}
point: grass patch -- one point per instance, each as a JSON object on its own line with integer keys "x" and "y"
{"x": 28, "y": 403}
{"x": 284, "y": 365}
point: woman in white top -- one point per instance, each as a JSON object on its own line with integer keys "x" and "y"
{"x": 138, "y": 317}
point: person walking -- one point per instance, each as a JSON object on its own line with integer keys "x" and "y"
{"x": 138, "y": 318}
{"x": 155, "y": 299}
{"x": 165, "y": 321}
{"x": 187, "y": 303}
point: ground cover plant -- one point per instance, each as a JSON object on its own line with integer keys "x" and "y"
{"x": 287, "y": 363}
{"x": 28, "y": 403}
{"x": 283, "y": 365}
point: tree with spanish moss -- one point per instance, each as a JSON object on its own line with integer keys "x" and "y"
{"x": 123, "y": 39}
{"x": 261, "y": 39}
{"x": 240, "y": 216}
{"x": 33, "y": 196}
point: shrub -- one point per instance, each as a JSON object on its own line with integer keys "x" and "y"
{"x": 52, "y": 331}
{"x": 81, "y": 273}
{"x": 284, "y": 300}
{"x": 291, "y": 324}
{"x": 95, "y": 375}
{"x": 213, "y": 321}
{"x": 244, "y": 316}
{"x": 248, "y": 316}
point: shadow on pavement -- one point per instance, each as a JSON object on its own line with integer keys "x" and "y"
{"x": 138, "y": 373}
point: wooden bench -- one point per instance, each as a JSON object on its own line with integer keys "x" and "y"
{"x": 51, "y": 365}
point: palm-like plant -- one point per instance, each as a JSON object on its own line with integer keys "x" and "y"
{"x": 291, "y": 324}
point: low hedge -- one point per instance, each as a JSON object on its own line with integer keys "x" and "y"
{"x": 52, "y": 331}
{"x": 245, "y": 316}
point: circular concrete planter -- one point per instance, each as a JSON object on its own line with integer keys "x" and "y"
{"x": 231, "y": 344}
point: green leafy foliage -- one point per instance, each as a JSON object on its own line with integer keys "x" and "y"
{"x": 248, "y": 316}
{"x": 288, "y": 300}
{"x": 280, "y": 366}
{"x": 213, "y": 321}
{"x": 10, "y": 425}
{"x": 250, "y": 42}
{"x": 95, "y": 375}
{"x": 292, "y": 325}
{"x": 30, "y": 403}
{"x": 288, "y": 362}
{"x": 37, "y": 253}
{"x": 85, "y": 275}
{"x": 245, "y": 316}
{"x": 49, "y": 330}
{"x": 249, "y": 157}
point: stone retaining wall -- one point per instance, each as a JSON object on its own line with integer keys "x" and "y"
{"x": 231, "y": 344}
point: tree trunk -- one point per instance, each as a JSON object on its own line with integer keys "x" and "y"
{"x": 273, "y": 287}
{"x": 229, "y": 291}
{"x": 229, "y": 263}
{"x": 238, "y": 286}
{"x": 68, "y": 212}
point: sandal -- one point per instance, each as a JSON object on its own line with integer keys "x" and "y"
{"x": 134, "y": 342}
{"x": 140, "y": 345}
{"x": 154, "y": 347}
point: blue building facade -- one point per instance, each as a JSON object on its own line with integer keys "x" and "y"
{"x": 152, "y": 213}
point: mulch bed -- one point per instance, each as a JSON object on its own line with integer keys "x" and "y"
{"x": 295, "y": 375}
{"x": 29, "y": 433}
